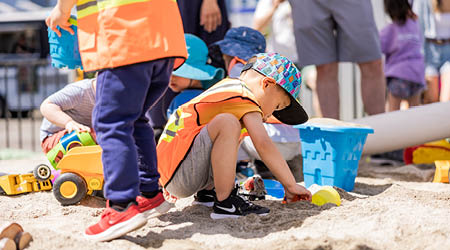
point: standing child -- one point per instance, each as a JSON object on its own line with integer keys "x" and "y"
{"x": 401, "y": 43}
{"x": 198, "y": 148}
{"x": 135, "y": 44}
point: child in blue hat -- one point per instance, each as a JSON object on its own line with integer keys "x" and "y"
{"x": 239, "y": 45}
{"x": 195, "y": 75}
{"x": 198, "y": 76}
{"x": 197, "y": 151}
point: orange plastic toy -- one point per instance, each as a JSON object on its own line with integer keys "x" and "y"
{"x": 442, "y": 171}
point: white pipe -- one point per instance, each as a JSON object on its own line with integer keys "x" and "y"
{"x": 401, "y": 129}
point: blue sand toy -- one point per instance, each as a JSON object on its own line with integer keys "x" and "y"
{"x": 64, "y": 50}
{"x": 331, "y": 153}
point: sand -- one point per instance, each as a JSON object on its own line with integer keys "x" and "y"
{"x": 390, "y": 208}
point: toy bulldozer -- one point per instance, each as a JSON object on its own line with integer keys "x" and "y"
{"x": 38, "y": 180}
{"x": 81, "y": 174}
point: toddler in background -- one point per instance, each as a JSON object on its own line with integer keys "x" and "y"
{"x": 194, "y": 76}
{"x": 401, "y": 42}
{"x": 239, "y": 45}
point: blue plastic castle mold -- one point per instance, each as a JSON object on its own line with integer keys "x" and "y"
{"x": 331, "y": 154}
{"x": 64, "y": 50}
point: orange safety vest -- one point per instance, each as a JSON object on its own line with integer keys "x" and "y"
{"x": 113, "y": 33}
{"x": 227, "y": 96}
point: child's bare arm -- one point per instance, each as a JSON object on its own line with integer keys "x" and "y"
{"x": 271, "y": 156}
{"x": 55, "y": 115}
{"x": 60, "y": 16}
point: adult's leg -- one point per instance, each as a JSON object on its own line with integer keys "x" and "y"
{"x": 433, "y": 62}
{"x": 143, "y": 132}
{"x": 445, "y": 86}
{"x": 414, "y": 100}
{"x": 358, "y": 41}
{"x": 310, "y": 76}
{"x": 432, "y": 93}
{"x": 393, "y": 102}
{"x": 328, "y": 89}
{"x": 373, "y": 86}
{"x": 224, "y": 131}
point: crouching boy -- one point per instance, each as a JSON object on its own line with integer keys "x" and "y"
{"x": 197, "y": 151}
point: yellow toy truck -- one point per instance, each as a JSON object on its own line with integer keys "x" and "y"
{"x": 81, "y": 174}
{"x": 38, "y": 180}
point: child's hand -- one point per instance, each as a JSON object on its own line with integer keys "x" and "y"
{"x": 73, "y": 125}
{"x": 297, "y": 192}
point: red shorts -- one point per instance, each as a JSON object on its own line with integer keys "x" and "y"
{"x": 50, "y": 141}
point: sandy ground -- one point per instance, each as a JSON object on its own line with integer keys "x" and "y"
{"x": 390, "y": 208}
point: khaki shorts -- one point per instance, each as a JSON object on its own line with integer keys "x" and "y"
{"x": 195, "y": 172}
{"x": 329, "y": 31}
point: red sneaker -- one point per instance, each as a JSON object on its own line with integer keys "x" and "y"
{"x": 114, "y": 224}
{"x": 153, "y": 206}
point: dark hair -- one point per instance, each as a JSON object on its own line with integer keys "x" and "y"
{"x": 399, "y": 10}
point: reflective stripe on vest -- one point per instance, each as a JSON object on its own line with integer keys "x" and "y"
{"x": 185, "y": 124}
{"x": 114, "y": 33}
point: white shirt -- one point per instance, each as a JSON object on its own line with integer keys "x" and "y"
{"x": 442, "y": 25}
{"x": 281, "y": 37}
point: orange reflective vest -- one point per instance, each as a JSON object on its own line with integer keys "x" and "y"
{"x": 227, "y": 96}
{"x": 113, "y": 33}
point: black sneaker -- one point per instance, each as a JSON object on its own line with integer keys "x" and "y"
{"x": 205, "y": 197}
{"x": 236, "y": 206}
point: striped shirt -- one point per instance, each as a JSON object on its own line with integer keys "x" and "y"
{"x": 76, "y": 100}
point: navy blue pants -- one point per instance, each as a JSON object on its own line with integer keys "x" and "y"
{"x": 123, "y": 96}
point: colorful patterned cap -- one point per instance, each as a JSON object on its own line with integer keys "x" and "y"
{"x": 286, "y": 74}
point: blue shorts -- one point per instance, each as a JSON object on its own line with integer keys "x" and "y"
{"x": 402, "y": 88}
{"x": 437, "y": 58}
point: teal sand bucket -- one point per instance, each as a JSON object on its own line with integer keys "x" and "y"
{"x": 331, "y": 154}
{"x": 64, "y": 50}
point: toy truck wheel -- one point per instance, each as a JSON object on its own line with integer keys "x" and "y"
{"x": 69, "y": 189}
{"x": 42, "y": 172}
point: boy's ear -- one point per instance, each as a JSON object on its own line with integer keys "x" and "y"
{"x": 267, "y": 81}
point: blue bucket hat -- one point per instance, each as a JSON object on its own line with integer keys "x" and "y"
{"x": 285, "y": 74}
{"x": 243, "y": 42}
{"x": 195, "y": 66}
